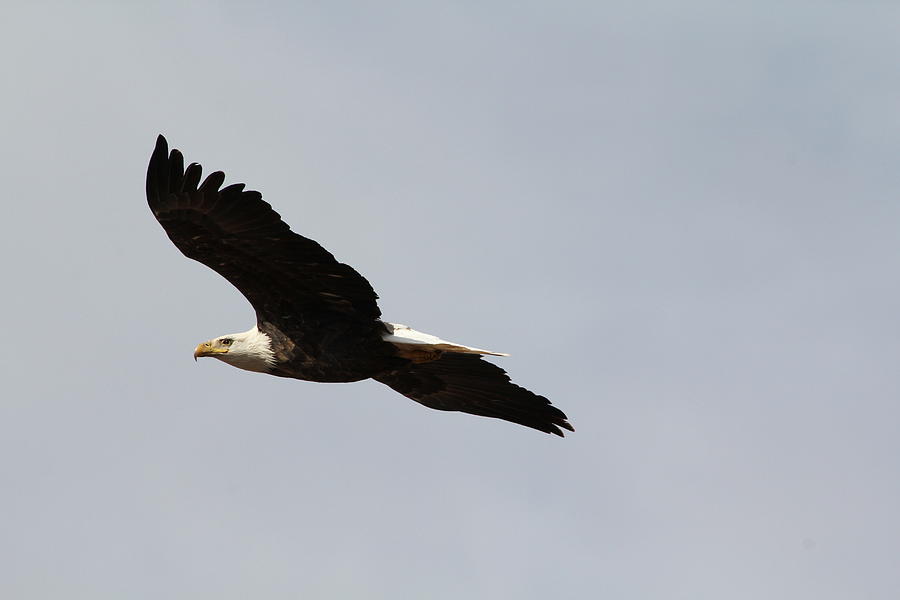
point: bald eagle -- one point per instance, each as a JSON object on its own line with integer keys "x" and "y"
{"x": 316, "y": 318}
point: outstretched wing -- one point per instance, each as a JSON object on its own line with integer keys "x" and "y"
{"x": 238, "y": 235}
{"x": 466, "y": 383}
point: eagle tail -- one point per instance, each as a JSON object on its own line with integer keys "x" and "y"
{"x": 411, "y": 343}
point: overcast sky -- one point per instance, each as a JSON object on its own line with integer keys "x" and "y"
{"x": 681, "y": 219}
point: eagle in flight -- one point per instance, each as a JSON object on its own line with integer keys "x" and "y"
{"x": 317, "y": 319}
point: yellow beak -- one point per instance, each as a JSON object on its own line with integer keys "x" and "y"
{"x": 207, "y": 349}
{"x": 202, "y": 350}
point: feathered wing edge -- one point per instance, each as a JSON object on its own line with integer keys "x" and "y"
{"x": 237, "y": 234}
{"x": 467, "y": 383}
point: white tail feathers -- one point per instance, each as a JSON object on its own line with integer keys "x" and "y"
{"x": 406, "y": 338}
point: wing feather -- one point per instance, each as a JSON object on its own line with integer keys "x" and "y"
{"x": 467, "y": 383}
{"x": 238, "y": 235}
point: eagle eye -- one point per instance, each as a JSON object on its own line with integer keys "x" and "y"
{"x": 226, "y": 341}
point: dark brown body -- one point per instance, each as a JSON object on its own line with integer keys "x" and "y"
{"x": 339, "y": 355}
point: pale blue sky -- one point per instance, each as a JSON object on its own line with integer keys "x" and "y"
{"x": 681, "y": 219}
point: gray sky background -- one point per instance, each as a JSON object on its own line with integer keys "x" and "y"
{"x": 680, "y": 218}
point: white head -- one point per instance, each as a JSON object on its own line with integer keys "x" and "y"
{"x": 250, "y": 350}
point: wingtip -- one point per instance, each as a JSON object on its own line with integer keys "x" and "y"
{"x": 565, "y": 425}
{"x": 157, "y": 170}
{"x": 162, "y": 144}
